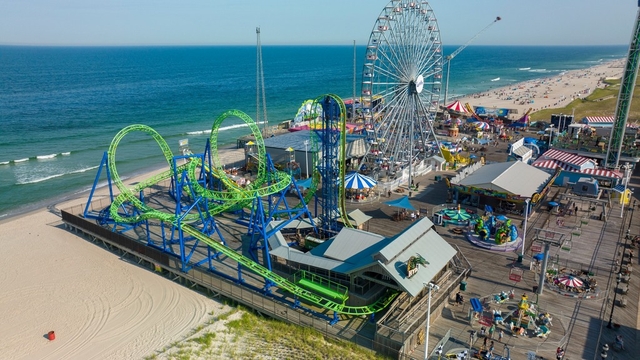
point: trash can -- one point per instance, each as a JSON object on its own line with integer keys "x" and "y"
{"x": 437, "y": 178}
{"x": 463, "y": 286}
{"x": 535, "y": 289}
{"x": 520, "y": 258}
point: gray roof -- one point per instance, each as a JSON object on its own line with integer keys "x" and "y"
{"x": 437, "y": 158}
{"x": 418, "y": 240}
{"x": 352, "y": 250}
{"x": 514, "y": 177}
{"x": 356, "y": 146}
{"x": 293, "y": 139}
{"x": 350, "y": 242}
{"x": 522, "y": 151}
{"x": 357, "y": 217}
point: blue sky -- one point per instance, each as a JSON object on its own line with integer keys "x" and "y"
{"x": 226, "y": 22}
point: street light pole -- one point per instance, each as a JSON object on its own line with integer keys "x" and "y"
{"x": 306, "y": 155}
{"x": 524, "y": 228}
{"x": 433, "y": 287}
{"x": 613, "y": 305}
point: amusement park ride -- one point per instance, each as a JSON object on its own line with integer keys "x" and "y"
{"x": 179, "y": 210}
{"x": 199, "y": 190}
{"x": 628, "y": 84}
{"x": 402, "y": 83}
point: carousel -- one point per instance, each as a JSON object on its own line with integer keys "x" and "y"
{"x": 359, "y": 187}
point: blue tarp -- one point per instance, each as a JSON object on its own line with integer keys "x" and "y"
{"x": 306, "y": 183}
{"x": 476, "y": 305}
{"x": 402, "y": 203}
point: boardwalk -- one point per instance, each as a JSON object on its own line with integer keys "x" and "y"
{"x": 578, "y": 324}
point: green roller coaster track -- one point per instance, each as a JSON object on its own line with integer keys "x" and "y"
{"x": 232, "y": 196}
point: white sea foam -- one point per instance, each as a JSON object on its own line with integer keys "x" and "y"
{"x": 538, "y": 70}
{"x": 224, "y": 128}
{"x": 21, "y": 160}
{"x": 201, "y": 132}
{"x": 4, "y": 162}
{"x": 41, "y": 179}
{"x": 66, "y": 153}
{"x": 523, "y": 69}
{"x": 45, "y": 157}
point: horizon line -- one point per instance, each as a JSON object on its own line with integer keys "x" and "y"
{"x": 280, "y": 45}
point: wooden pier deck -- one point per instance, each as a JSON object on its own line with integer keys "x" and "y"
{"x": 579, "y": 324}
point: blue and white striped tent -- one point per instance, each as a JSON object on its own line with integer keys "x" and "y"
{"x": 358, "y": 181}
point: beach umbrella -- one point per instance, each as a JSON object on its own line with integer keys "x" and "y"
{"x": 356, "y": 180}
{"x": 570, "y": 281}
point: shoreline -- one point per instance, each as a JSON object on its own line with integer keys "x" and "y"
{"x": 550, "y": 92}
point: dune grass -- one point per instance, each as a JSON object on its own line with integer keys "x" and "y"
{"x": 248, "y": 335}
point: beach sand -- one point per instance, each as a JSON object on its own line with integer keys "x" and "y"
{"x": 101, "y": 306}
{"x": 552, "y": 92}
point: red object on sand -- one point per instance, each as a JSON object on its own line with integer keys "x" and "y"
{"x": 51, "y": 335}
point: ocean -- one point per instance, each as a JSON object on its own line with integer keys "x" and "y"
{"x": 60, "y": 107}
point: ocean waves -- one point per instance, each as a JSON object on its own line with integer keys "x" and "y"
{"x": 224, "y": 128}
{"x": 37, "y": 179}
{"x": 37, "y": 157}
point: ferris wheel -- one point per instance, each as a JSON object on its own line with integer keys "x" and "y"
{"x": 401, "y": 82}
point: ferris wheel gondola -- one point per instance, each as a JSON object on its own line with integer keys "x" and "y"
{"x": 402, "y": 80}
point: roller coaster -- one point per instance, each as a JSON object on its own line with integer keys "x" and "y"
{"x": 200, "y": 190}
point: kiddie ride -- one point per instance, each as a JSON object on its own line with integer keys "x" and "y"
{"x": 494, "y": 233}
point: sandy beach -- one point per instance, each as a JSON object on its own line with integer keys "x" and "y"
{"x": 552, "y": 92}
{"x": 104, "y": 307}
{"x": 99, "y": 305}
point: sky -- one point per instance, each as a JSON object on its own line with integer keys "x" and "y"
{"x": 304, "y": 22}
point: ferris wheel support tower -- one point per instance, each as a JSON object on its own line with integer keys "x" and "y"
{"x": 624, "y": 97}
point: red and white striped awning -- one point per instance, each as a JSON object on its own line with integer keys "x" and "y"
{"x": 603, "y": 120}
{"x": 457, "y": 107}
{"x": 565, "y": 157}
{"x": 603, "y": 173}
{"x": 553, "y": 164}
{"x": 592, "y": 120}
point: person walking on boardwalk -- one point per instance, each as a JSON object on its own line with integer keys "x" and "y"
{"x": 492, "y": 329}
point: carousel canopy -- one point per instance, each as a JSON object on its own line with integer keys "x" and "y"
{"x": 570, "y": 281}
{"x": 457, "y": 107}
{"x": 356, "y": 180}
